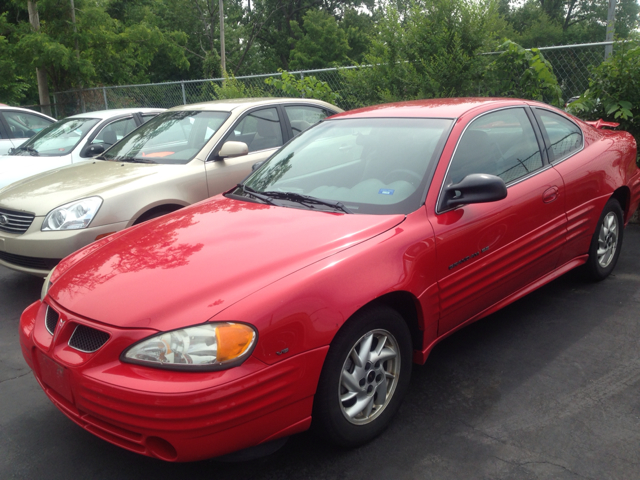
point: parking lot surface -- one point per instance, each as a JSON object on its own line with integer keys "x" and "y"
{"x": 548, "y": 387}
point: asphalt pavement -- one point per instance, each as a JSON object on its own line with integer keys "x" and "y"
{"x": 548, "y": 387}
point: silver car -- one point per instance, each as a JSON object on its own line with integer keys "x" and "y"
{"x": 73, "y": 140}
{"x": 182, "y": 156}
{"x": 17, "y": 125}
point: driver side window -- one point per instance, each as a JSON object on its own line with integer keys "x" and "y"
{"x": 502, "y": 143}
{"x": 260, "y": 130}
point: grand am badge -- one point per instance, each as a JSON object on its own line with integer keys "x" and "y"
{"x": 466, "y": 259}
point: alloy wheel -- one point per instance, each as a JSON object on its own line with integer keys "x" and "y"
{"x": 369, "y": 377}
{"x": 607, "y": 239}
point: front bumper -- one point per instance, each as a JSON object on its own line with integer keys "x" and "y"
{"x": 171, "y": 415}
{"x": 36, "y": 252}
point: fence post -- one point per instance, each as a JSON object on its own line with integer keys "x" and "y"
{"x": 302, "y": 78}
{"x": 611, "y": 21}
{"x": 55, "y": 105}
{"x": 104, "y": 94}
{"x": 184, "y": 96}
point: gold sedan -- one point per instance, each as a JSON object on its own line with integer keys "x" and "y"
{"x": 180, "y": 157}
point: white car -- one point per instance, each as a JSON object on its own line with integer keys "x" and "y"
{"x": 72, "y": 140}
{"x": 17, "y": 125}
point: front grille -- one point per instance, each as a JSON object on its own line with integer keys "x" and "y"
{"x": 87, "y": 339}
{"x": 51, "y": 320}
{"x": 29, "y": 262}
{"x": 15, "y": 222}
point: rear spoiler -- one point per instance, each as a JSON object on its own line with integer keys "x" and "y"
{"x": 601, "y": 124}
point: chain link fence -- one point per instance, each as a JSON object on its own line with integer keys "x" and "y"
{"x": 571, "y": 65}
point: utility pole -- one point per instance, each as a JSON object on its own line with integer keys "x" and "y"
{"x": 611, "y": 21}
{"x": 41, "y": 73}
{"x": 223, "y": 61}
{"x": 83, "y": 108}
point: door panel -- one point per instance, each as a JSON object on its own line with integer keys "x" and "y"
{"x": 583, "y": 169}
{"x": 224, "y": 174}
{"x": 488, "y": 251}
{"x": 262, "y": 131}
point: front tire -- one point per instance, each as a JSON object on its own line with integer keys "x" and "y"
{"x": 364, "y": 378}
{"x": 606, "y": 242}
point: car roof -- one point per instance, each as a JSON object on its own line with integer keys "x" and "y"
{"x": 228, "y": 105}
{"x": 102, "y": 114}
{"x": 433, "y": 108}
{"x": 27, "y": 110}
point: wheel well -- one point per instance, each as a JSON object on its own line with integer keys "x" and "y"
{"x": 156, "y": 212}
{"x": 406, "y": 305}
{"x": 623, "y": 196}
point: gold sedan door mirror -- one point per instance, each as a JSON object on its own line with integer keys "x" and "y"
{"x": 233, "y": 149}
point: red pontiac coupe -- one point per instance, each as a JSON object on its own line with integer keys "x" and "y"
{"x": 305, "y": 293}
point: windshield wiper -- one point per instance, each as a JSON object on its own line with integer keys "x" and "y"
{"x": 256, "y": 194}
{"x": 134, "y": 160}
{"x": 307, "y": 199}
{"x": 32, "y": 151}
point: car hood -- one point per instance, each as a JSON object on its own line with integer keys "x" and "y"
{"x": 185, "y": 267}
{"x": 14, "y": 168}
{"x": 41, "y": 193}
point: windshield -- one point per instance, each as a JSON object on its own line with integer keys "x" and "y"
{"x": 57, "y": 139}
{"x": 171, "y": 138}
{"x": 370, "y": 165}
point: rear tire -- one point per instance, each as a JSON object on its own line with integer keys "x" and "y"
{"x": 606, "y": 242}
{"x": 364, "y": 378}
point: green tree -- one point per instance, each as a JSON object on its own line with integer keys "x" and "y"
{"x": 538, "y": 23}
{"x": 308, "y": 87}
{"x": 110, "y": 52}
{"x": 521, "y": 73}
{"x": 322, "y": 43}
{"x": 614, "y": 90}
{"x": 12, "y": 85}
{"x": 425, "y": 50}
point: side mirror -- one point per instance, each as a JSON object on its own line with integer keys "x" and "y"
{"x": 257, "y": 165}
{"x": 233, "y": 149}
{"x": 92, "y": 149}
{"x": 474, "y": 188}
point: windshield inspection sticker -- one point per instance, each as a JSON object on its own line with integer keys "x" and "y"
{"x": 386, "y": 191}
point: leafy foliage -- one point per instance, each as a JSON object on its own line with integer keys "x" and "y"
{"x": 308, "y": 87}
{"x": 428, "y": 50}
{"x": 109, "y": 52}
{"x": 520, "y": 73}
{"x": 614, "y": 90}
{"x": 232, "y": 88}
{"x": 12, "y": 85}
{"x": 538, "y": 23}
{"x": 323, "y": 42}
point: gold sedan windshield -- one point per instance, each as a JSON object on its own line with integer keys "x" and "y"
{"x": 171, "y": 138}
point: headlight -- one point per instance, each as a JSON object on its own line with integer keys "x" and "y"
{"x": 210, "y": 346}
{"x": 46, "y": 285}
{"x": 72, "y": 216}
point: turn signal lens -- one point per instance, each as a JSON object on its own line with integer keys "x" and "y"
{"x": 211, "y": 346}
{"x": 233, "y": 340}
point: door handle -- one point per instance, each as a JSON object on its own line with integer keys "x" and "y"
{"x": 550, "y": 194}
